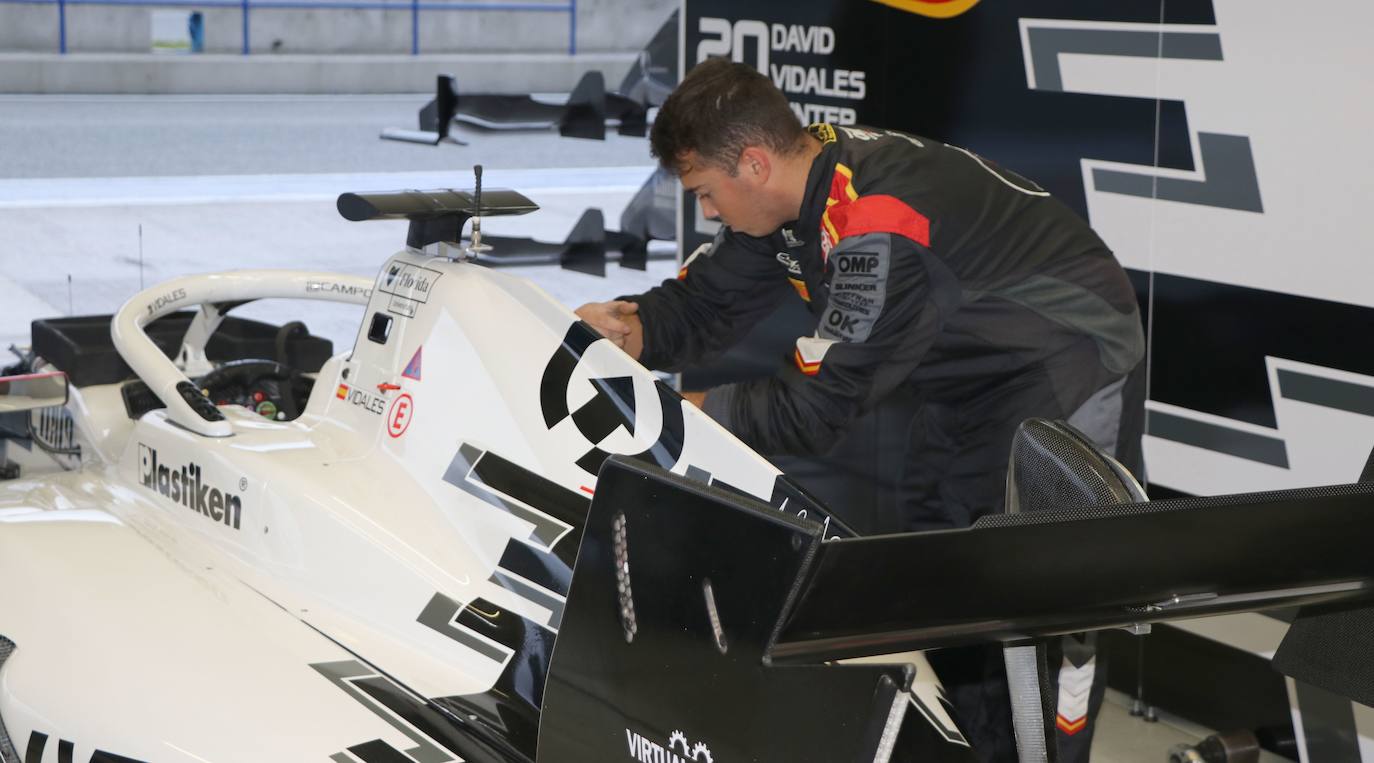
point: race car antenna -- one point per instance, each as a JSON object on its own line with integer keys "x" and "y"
{"x": 475, "y": 245}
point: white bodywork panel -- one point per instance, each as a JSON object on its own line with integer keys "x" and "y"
{"x": 206, "y": 573}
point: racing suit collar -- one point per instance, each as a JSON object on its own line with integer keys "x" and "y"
{"x": 808, "y": 225}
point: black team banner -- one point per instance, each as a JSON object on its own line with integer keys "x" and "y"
{"x": 997, "y": 77}
{"x": 1256, "y": 381}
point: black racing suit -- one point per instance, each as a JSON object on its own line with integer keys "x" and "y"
{"x": 926, "y": 265}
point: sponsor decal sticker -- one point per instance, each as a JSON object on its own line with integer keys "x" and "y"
{"x": 794, "y": 272}
{"x": 373, "y": 404}
{"x": 57, "y": 428}
{"x": 790, "y": 262}
{"x": 333, "y": 287}
{"x": 858, "y": 291}
{"x": 412, "y": 370}
{"x": 409, "y": 287}
{"x": 861, "y": 134}
{"x": 166, "y": 300}
{"x": 678, "y": 750}
{"x": 399, "y": 416}
{"x": 612, "y": 406}
{"x": 187, "y": 486}
{"x": 410, "y": 281}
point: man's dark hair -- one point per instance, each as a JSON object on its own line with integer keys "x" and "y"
{"x": 718, "y": 110}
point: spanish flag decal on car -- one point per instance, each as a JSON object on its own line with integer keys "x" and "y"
{"x": 810, "y": 352}
{"x": 936, "y": 9}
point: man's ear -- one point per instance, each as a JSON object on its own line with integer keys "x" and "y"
{"x": 755, "y": 164}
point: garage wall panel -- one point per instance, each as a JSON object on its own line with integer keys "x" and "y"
{"x": 1218, "y": 148}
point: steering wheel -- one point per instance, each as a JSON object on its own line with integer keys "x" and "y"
{"x": 186, "y": 405}
{"x": 273, "y": 390}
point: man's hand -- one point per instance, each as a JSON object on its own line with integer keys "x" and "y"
{"x": 618, "y": 322}
{"x": 695, "y": 398}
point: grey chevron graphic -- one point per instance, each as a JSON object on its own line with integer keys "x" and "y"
{"x": 1046, "y": 43}
{"x": 1227, "y": 164}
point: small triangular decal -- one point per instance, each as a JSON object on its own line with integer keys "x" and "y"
{"x": 413, "y": 367}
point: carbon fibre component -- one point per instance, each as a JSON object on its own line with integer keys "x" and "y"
{"x": 1053, "y": 466}
{"x": 422, "y": 205}
{"x": 645, "y": 622}
{"x": 1329, "y": 647}
{"x": 1312, "y": 540}
{"x": 654, "y": 73}
{"x": 587, "y": 249}
{"x": 586, "y": 114}
{"x": 437, "y": 215}
{"x": 437, "y": 115}
{"x": 652, "y": 212}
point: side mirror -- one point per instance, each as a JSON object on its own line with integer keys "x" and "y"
{"x": 28, "y": 392}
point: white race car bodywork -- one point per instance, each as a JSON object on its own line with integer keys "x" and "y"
{"x": 251, "y": 589}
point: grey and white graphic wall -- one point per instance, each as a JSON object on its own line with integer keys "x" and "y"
{"x": 1276, "y": 205}
{"x": 1218, "y": 146}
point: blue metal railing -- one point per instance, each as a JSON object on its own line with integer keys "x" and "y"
{"x": 247, "y": 6}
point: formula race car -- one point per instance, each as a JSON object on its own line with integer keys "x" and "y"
{"x": 484, "y": 533}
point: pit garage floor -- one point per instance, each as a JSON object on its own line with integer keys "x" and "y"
{"x": 102, "y": 195}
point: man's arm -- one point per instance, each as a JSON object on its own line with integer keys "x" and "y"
{"x": 722, "y": 291}
{"x": 887, "y": 302}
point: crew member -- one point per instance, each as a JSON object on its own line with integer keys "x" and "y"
{"x": 927, "y": 266}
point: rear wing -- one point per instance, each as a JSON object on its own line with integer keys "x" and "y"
{"x": 1053, "y": 572}
{"x": 435, "y": 216}
{"x": 704, "y": 616}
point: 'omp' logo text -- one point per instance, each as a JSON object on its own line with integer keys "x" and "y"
{"x": 185, "y": 486}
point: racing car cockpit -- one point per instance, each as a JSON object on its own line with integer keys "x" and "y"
{"x": 172, "y": 347}
{"x": 265, "y": 368}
